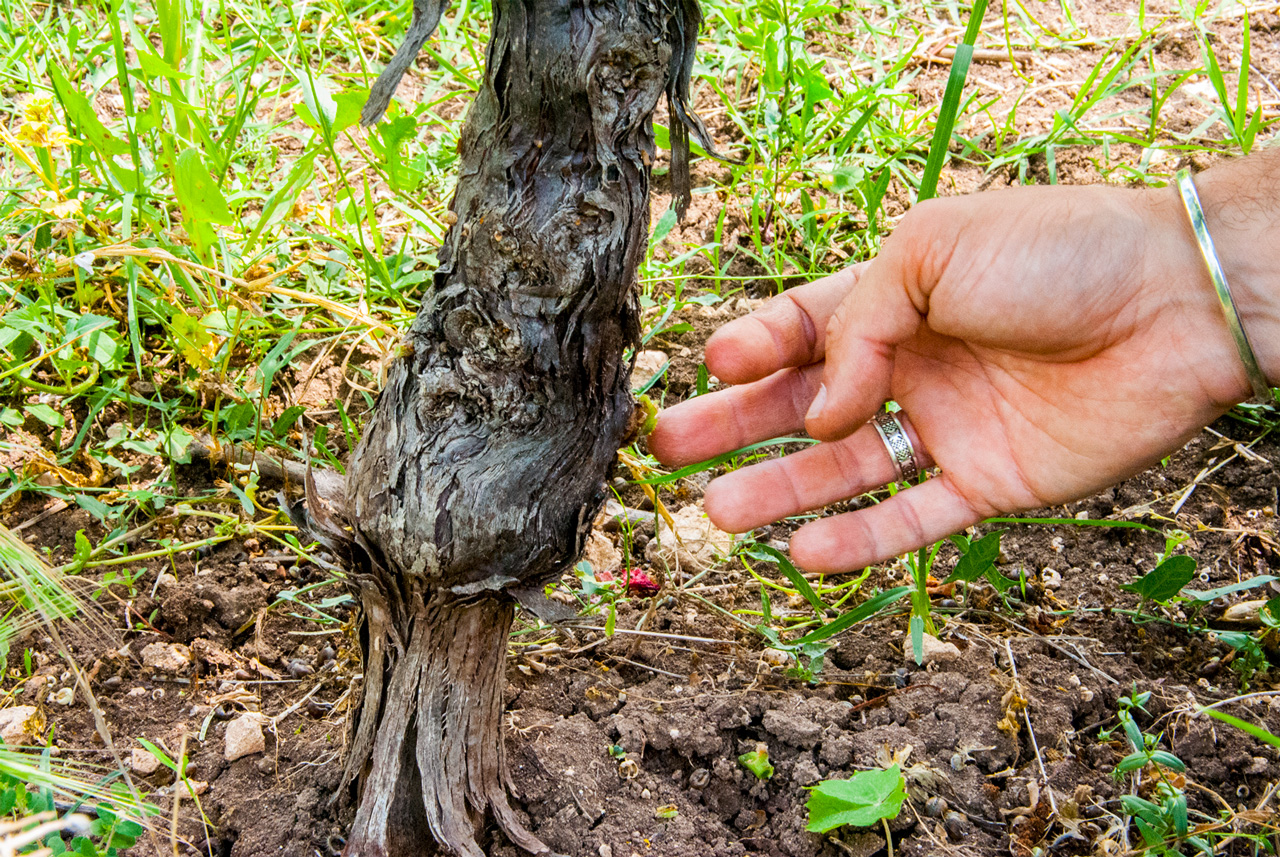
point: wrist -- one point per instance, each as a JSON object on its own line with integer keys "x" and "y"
{"x": 1242, "y": 212}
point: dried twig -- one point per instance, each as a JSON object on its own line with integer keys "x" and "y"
{"x": 1078, "y": 658}
{"x": 630, "y": 662}
{"x": 990, "y": 56}
{"x": 1026, "y": 716}
{"x": 54, "y": 508}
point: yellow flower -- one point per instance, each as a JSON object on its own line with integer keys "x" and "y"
{"x": 38, "y": 110}
{"x": 38, "y": 128}
{"x": 42, "y": 135}
{"x": 63, "y": 209}
{"x": 34, "y": 134}
{"x": 66, "y": 210}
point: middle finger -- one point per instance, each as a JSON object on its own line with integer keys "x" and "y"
{"x": 805, "y": 480}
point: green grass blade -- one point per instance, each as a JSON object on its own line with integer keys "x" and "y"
{"x": 791, "y": 573}
{"x": 1244, "y": 726}
{"x": 950, "y": 105}
{"x": 77, "y": 782}
{"x": 1241, "y": 116}
{"x": 1214, "y": 71}
{"x": 863, "y": 611}
{"x": 40, "y": 590}
{"x": 719, "y": 459}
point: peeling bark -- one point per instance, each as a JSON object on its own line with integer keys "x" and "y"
{"x": 483, "y": 465}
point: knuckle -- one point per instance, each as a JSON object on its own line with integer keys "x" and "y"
{"x": 851, "y": 469}
{"x": 789, "y": 484}
{"x": 805, "y": 323}
{"x": 803, "y": 387}
{"x": 909, "y": 520}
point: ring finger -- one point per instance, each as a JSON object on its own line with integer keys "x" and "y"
{"x": 806, "y": 480}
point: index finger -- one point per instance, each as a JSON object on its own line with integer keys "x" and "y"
{"x": 790, "y": 330}
{"x": 706, "y": 426}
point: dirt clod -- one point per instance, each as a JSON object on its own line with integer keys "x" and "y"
{"x": 244, "y": 737}
{"x": 167, "y": 657}
{"x": 143, "y": 762}
{"x": 18, "y": 725}
{"x": 696, "y": 545}
{"x": 933, "y": 650}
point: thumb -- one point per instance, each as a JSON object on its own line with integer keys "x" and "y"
{"x": 884, "y": 309}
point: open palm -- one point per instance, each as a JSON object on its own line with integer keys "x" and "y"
{"x": 1043, "y": 343}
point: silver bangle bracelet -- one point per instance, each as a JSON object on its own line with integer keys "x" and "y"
{"x": 1195, "y": 212}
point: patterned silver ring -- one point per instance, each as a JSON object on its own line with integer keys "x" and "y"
{"x": 899, "y": 445}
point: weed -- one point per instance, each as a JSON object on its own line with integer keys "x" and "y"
{"x": 1242, "y": 124}
{"x": 39, "y": 594}
{"x": 29, "y": 796}
{"x": 128, "y": 578}
{"x": 811, "y": 648}
{"x": 1164, "y": 582}
{"x": 1156, "y": 804}
{"x": 757, "y": 762}
{"x": 1162, "y": 819}
{"x": 862, "y": 800}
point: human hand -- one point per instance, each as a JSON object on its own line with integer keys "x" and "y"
{"x": 1043, "y": 343}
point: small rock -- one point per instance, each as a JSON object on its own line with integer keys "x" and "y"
{"x": 934, "y": 650}
{"x": 696, "y": 545}
{"x": 143, "y": 761}
{"x": 605, "y": 851}
{"x": 775, "y": 657}
{"x": 648, "y": 364}
{"x": 166, "y": 580}
{"x": 601, "y": 553}
{"x": 17, "y": 726}
{"x": 167, "y": 657}
{"x": 199, "y": 787}
{"x": 1245, "y": 612}
{"x": 244, "y": 737}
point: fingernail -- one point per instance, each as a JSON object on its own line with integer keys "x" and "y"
{"x": 819, "y": 402}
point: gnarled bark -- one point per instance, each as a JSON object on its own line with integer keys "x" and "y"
{"x": 483, "y": 465}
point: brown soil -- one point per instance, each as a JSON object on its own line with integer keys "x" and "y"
{"x": 677, "y": 712}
